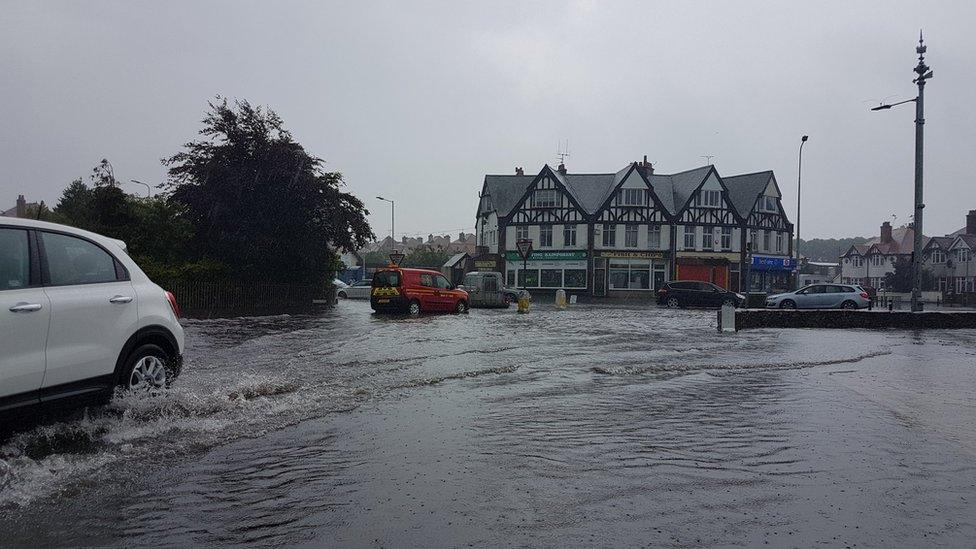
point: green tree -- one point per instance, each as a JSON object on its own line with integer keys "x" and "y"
{"x": 259, "y": 202}
{"x": 427, "y": 258}
{"x": 901, "y": 279}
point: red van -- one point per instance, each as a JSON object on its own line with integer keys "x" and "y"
{"x": 414, "y": 291}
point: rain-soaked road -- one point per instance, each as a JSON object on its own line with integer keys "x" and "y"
{"x": 589, "y": 427}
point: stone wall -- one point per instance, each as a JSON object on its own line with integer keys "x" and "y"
{"x": 777, "y": 318}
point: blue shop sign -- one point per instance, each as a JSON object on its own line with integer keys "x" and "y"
{"x": 769, "y": 263}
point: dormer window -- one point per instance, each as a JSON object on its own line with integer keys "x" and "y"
{"x": 709, "y": 199}
{"x": 544, "y": 198}
{"x": 768, "y": 204}
{"x": 631, "y": 197}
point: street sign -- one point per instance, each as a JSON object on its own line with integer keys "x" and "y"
{"x": 396, "y": 257}
{"x": 524, "y": 248}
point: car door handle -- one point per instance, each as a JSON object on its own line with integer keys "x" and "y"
{"x": 120, "y": 299}
{"x": 25, "y": 308}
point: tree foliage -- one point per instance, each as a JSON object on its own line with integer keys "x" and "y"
{"x": 259, "y": 202}
{"x": 901, "y": 279}
{"x": 427, "y": 258}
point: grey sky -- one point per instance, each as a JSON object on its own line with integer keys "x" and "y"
{"x": 416, "y": 101}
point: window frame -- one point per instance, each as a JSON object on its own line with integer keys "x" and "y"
{"x": 545, "y": 230}
{"x": 569, "y": 230}
{"x": 654, "y": 236}
{"x": 34, "y": 277}
{"x": 121, "y": 273}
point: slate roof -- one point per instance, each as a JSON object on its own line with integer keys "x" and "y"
{"x": 505, "y": 190}
{"x": 902, "y": 241}
{"x": 745, "y": 189}
{"x": 969, "y": 239}
{"x": 592, "y": 190}
{"x": 942, "y": 241}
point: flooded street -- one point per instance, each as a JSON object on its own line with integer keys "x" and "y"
{"x": 594, "y": 426}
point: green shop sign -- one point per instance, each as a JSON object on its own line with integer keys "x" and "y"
{"x": 549, "y": 255}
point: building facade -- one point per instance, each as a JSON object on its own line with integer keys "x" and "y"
{"x": 626, "y": 233}
{"x": 951, "y": 259}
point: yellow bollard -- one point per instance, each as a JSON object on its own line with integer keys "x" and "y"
{"x": 560, "y": 299}
{"x": 523, "y": 302}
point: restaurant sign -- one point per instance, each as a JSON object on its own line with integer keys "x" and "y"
{"x": 631, "y": 255}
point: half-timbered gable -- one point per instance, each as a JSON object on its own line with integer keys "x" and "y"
{"x": 547, "y": 201}
{"x": 632, "y": 200}
{"x": 703, "y": 198}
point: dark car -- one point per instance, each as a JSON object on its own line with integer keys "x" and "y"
{"x": 693, "y": 293}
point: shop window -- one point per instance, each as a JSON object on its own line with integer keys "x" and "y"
{"x": 552, "y": 278}
{"x": 529, "y": 278}
{"x": 510, "y": 278}
{"x": 574, "y": 278}
{"x": 619, "y": 274}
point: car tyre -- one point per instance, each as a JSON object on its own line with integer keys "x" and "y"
{"x": 414, "y": 308}
{"x": 673, "y": 302}
{"x": 730, "y": 301}
{"x": 342, "y": 295}
{"x": 848, "y": 305}
{"x": 787, "y": 304}
{"x": 147, "y": 369}
{"x": 461, "y": 307}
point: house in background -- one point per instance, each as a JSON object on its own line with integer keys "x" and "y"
{"x": 868, "y": 264}
{"x": 950, "y": 258}
{"x": 817, "y": 272}
{"x": 22, "y": 208}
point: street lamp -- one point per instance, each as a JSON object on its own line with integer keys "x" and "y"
{"x": 392, "y": 219}
{"x": 148, "y": 189}
{"x": 799, "y": 172}
{"x": 923, "y": 72}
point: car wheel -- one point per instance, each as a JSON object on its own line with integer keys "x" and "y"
{"x": 146, "y": 369}
{"x": 414, "y": 308}
{"x": 342, "y": 295}
{"x": 508, "y": 299}
{"x": 787, "y": 304}
{"x": 673, "y": 302}
{"x": 461, "y": 307}
{"x": 848, "y": 305}
{"x": 730, "y": 301}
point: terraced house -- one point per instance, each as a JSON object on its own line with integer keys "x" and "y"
{"x": 952, "y": 258}
{"x": 626, "y": 233}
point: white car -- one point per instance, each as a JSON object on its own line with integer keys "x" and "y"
{"x": 78, "y": 318}
{"x": 357, "y": 290}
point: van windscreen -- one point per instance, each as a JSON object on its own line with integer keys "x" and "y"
{"x": 386, "y": 279}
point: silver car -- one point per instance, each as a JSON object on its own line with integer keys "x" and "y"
{"x": 357, "y": 290}
{"x": 821, "y": 296}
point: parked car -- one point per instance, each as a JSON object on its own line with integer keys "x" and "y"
{"x": 487, "y": 289}
{"x": 339, "y": 284}
{"x": 821, "y": 296}
{"x": 415, "y": 291}
{"x": 356, "y": 290}
{"x": 693, "y": 293}
{"x": 78, "y": 318}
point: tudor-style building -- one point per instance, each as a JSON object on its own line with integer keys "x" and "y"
{"x": 627, "y": 233}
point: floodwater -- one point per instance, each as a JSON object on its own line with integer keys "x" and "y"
{"x": 590, "y": 427}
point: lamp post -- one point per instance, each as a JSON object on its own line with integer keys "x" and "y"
{"x": 799, "y": 172}
{"x": 148, "y": 188}
{"x": 923, "y": 72}
{"x": 392, "y": 219}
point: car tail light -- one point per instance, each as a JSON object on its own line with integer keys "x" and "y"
{"x": 173, "y": 304}
{"x": 864, "y": 295}
{"x": 662, "y": 291}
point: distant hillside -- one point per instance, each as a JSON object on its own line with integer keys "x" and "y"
{"x": 828, "y": 249}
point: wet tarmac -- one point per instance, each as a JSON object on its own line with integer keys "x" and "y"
{"x": 591, "y": 427}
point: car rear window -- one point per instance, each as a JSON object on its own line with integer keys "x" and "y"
{"x": 386, "y": 279}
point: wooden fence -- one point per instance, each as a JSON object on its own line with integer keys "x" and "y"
{"x": 199, "y": 299}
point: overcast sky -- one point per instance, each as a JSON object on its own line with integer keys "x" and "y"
{"x": 416, "y": 101}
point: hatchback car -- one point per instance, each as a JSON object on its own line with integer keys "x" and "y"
{"x": 694, "y": 293}
{"x": 821, "y": 296}
{"x": 357, "y": 290}
{"x": 415, "y": 291}
{"x": 78, "y": 317}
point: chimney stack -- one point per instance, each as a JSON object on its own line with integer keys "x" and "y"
{"x": 647, "y": 166}
{"x": 519, "y": 171}
{"x": 21, "y": 206}
{"x": 886, "y": 232}
{"x": 971, "y": 222}
{"x": 562, "y": 168}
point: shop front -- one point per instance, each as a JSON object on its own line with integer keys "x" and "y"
{"x": 719, "y": 269}
{"x": 628, "y": 273}
{"x": 771, "y": 274}
{"x": 487, "y": 262}
{"x": 552, "y": 270}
